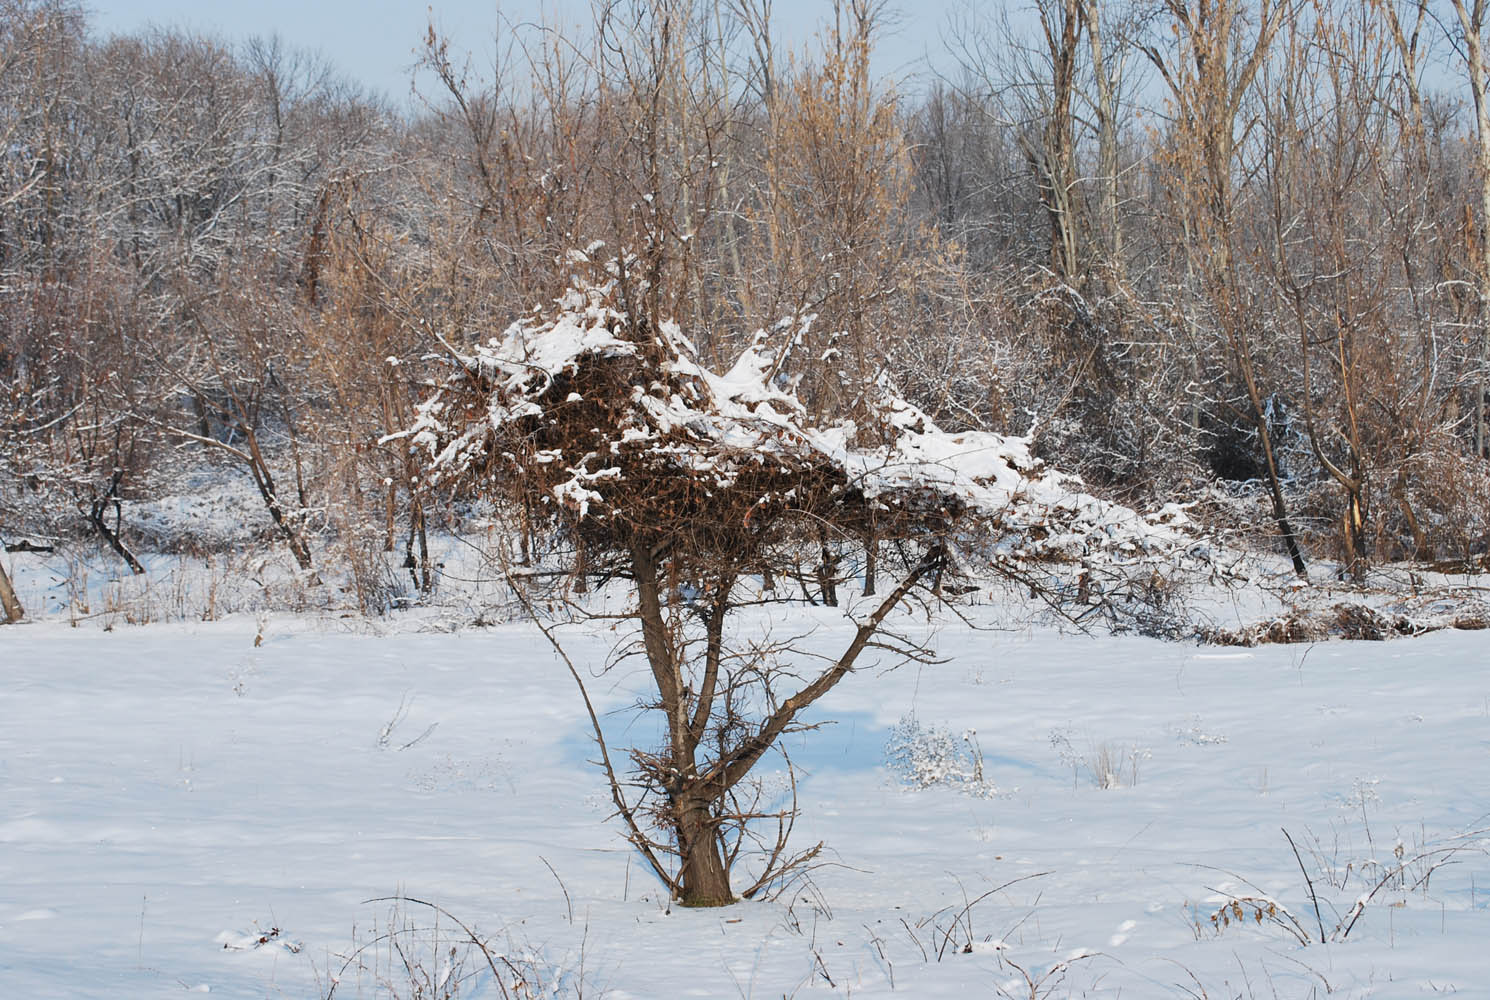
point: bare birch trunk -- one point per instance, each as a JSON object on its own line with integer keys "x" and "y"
{"x": 9, "y": 603}
{"x": 1472, "y": 21}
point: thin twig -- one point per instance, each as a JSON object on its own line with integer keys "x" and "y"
{"x": 1307, "y": 881}
{"x": 555, "y": 874}
{"x": 637, "y": 838}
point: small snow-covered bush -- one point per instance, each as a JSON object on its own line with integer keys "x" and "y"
{"x": 928, "y": 756}
{"x": 1109, "y": 765}
{"x": 1113, "y": 766}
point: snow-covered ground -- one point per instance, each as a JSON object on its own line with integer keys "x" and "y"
{"x": 173, "y": 794}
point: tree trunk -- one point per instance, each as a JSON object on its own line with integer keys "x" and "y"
{"x": 112, "y": 539}
{"x": 1275, "y": 491}
{"x": 9, "y": 603}
{"x": 1107, "y": 82}
{"x": 390, "y": 505}
{"x": 579, "y": 573}
{"x": 390, "y": 515}
{"x": 1472, "y": 20}
{"x": 204, "y": 426}
{"x": 101, "y": 504}
{"x": 827, "y": 570}
{"x": 426, "y": 575}
{"x": 264, "y": 480}
{"x": 1354, "y": 524}
{"x": 1056, "y": 160}
{"x": 703, "y": 879}
{"x": 525, "y": 535}
{"x": 1422, "y": 550}
{"x": 416, "y": 550}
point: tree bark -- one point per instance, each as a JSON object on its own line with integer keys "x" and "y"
{"x": 101, "y": 504}
{"x": 9, "y": 603}
{"x": 416, "y": 549}
{"x": 703, "y": 879}
{"x": 827, "y": 570}
{"x": 264, "y": 480}
{"x": 1107, "y": 82}
{"x": 1472, "y": 21}
{"x": 1057, "y": 157}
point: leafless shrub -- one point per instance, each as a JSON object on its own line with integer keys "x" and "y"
{"x": 421, "y": 951}
{"x": 1339, "y": 889}
{"x": 951, "y": 930}
{"x": 1106, "y": 765}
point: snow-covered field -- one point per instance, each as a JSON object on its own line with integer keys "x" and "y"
{"x": 173, "y": 794}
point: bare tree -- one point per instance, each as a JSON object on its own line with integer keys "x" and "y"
{"x": 1034, "y": 87}
{"x": 1209, "y": 77}
{"x": 1110, "y": 31}
{"x": 209, "y": 252}
{"x": 1471, "y": 44}
{"x": 689, "y": 486}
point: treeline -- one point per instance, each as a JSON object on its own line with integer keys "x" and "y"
{"x": 1232, "y": 251}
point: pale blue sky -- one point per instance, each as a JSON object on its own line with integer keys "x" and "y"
{"x": 373, "y": 41}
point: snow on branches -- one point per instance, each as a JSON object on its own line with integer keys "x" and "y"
{"x": 613, "y": 428}
{"x": 606, "y": 435}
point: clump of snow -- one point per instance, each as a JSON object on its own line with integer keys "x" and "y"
{"x": 257, "y": 938}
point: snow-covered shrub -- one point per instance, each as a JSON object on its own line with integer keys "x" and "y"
{"x": 611, "y": 428}
{"x": 598, "y": 427}
{"x": 1106, "y": 765}
{"x": 929, "y": 756}
{"x": 1114, "y": 766}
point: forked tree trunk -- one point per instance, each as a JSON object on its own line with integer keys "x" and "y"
{"x": 112, "y": 538}
{"x": 698, "y": 791}
{"x": 9, "y": 603}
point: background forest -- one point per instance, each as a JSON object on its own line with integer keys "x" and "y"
{"x": 1226, "y": 251}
